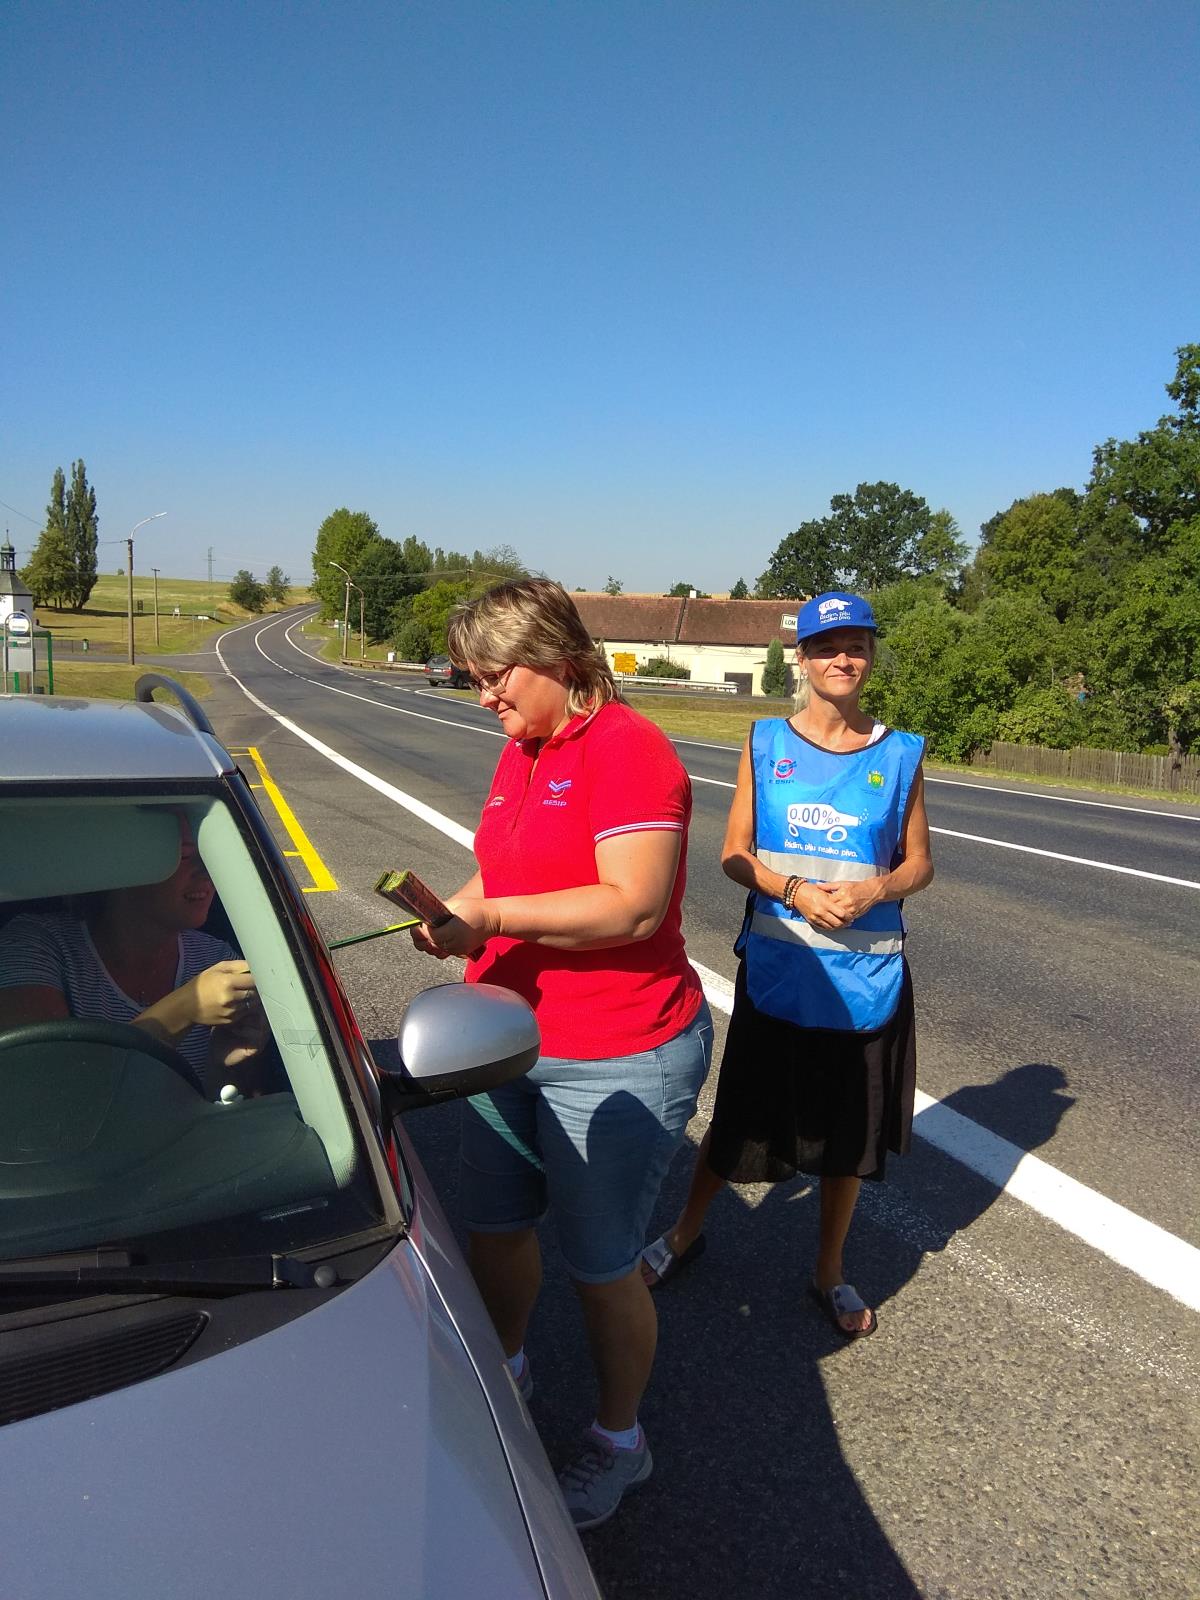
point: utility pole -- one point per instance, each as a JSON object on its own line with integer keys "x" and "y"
{"x": 129, "y": 577}
{"x": 154, "y": 570}
{"x": 129, "y": 549}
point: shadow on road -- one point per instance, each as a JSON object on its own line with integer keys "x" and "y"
{"x": 752, "y": 1494}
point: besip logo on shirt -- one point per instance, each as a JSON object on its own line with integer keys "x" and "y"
{"x": 558, "y": 788}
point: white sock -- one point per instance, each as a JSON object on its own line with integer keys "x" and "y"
{"x": 620, "y": 1438}
{"x": 515, "y": 1363}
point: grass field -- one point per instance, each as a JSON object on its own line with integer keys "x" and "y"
{"x": 331, "y": 647}
{"x": 103, "y": 621}
{"x": 109, "y": 681}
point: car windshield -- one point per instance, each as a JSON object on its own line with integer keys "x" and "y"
{"x": 166, "y": 1082}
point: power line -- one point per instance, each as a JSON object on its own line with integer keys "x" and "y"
{"x": 37, "y": 521}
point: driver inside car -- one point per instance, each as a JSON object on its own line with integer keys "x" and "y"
{"x": 139, "y": 955}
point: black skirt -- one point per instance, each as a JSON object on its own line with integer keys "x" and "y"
{"x": 811, "y": 1100}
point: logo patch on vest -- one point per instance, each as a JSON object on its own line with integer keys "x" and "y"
{"x": 875, "y": 779}
{"x": 811, "y": 818}
{"x": 783, "y": 769}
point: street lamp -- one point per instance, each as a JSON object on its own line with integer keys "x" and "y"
{"x": 129, "y": 571}
{"x": 362, "y": 637}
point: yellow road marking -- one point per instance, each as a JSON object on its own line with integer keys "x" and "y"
{"x": 323, "y": 881}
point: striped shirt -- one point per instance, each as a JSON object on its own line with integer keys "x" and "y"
{"x": 55, "y": 951}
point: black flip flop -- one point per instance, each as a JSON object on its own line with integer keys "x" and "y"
{"x": 664, "y": 1263}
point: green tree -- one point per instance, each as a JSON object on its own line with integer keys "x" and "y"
{"x": 776, "y": 678}
{"x": 879, "y": 532}
{"x": 247, "y": 592}
{"x": 803, "y": 564}
{"x": 940, "y": 552}
{"x": 277, "y": 582}
{"x": 614, "y": 585}
{"x": 1157, "y": 475}
{"x": 82, "y": 527}
{"x": 342, "y": 537}
{"x": 386, "y": 578}
{"x": 739, "y": 591}
{"x": 681, "y": 591}
{"x": 870, "y": 538}
{"x": 1145, "y": 649}
{"x": 413, "y": 642}
{"x": 1051, "y": 717}
{"x": 434, "y": 607}
{"x": 482, "y": 568}
{"x": 51, "y": 570}
{"x": 1033, "y": 548}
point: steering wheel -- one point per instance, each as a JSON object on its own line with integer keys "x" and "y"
{"x": 116, "y": 1035}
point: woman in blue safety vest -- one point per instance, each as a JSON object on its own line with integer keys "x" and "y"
{"x": 828, "y": 833}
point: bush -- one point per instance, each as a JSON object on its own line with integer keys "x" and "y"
{"x": 660, "y": 667}
{"x": 777, "y": 677}
{"x": 413, "y": 642}
{"x": 247, "y": 592}
{"x": 1053, "y": 718}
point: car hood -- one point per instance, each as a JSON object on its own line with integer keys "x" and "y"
{"x": 350, "y": 1451}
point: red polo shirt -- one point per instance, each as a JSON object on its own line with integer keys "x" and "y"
{"x": 610, "y": 773}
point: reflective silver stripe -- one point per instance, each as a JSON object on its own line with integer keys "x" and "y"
{"x": 818, "y": 868}
{"x": 794, "y": 930}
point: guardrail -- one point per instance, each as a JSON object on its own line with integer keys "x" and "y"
{"x": 676, "y": 683}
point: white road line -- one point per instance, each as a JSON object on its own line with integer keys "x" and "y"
{"x": 1142, "y": 1247}
{"x": 1081, "y": 861}
{"x": 1063, "y": 799}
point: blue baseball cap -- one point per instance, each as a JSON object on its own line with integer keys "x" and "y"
{"x": 837, "y": 609}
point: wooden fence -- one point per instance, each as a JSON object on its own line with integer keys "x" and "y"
{"x": 1095, "y": 766}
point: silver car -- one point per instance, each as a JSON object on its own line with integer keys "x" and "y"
{"x": 240, "y": 1354}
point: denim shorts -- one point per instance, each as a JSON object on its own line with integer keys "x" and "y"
{"x": 590, "y": 1141}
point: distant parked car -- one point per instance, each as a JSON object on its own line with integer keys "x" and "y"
{"x": 440, "y": 669}
{"x": 240, "y": 1354}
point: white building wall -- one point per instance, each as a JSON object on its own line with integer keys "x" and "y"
{"x": 707, "y": 663}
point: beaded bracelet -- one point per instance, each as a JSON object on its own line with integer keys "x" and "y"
{"x": 789, "y": 891}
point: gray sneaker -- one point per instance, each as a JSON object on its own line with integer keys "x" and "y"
{"x": 595, "y": 1481}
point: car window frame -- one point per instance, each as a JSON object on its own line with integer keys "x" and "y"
{"x": 355, "y": 1073}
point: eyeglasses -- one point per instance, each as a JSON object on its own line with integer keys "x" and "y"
{"x": 493, "y": 683}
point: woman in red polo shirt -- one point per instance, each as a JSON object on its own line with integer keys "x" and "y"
{"x": 576, "y": 906}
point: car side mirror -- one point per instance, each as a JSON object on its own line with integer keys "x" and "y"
{"x": 459, "y": 1039}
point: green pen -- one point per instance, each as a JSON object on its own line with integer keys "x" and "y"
{"x": 376, "y": 933}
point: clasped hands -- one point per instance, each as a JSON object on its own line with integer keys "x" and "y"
{"x": 837, "y": 905}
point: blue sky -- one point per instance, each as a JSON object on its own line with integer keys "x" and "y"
{"x": 634, "y": 287}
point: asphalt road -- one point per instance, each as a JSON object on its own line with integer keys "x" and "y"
{"x": 1025, "y": 1421}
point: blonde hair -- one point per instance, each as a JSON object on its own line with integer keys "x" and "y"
{"x": 803, "y": 690}
{"x": 532, "y": 622}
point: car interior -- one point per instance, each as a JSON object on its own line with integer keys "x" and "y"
{"x": 106, "y": 1133}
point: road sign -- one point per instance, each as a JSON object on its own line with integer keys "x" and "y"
{"x": 624, "y": 661}
{"x": 18, "y": 647}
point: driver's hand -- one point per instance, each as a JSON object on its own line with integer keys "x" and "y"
{"x": 222, "y": 994}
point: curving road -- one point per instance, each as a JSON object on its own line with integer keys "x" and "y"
{"x": 1024, "y": 1420}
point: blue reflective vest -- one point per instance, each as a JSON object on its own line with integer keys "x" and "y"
{"x": 828, "y": 817}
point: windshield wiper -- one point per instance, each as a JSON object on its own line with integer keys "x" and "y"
{"x": 114, "y": 1269}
